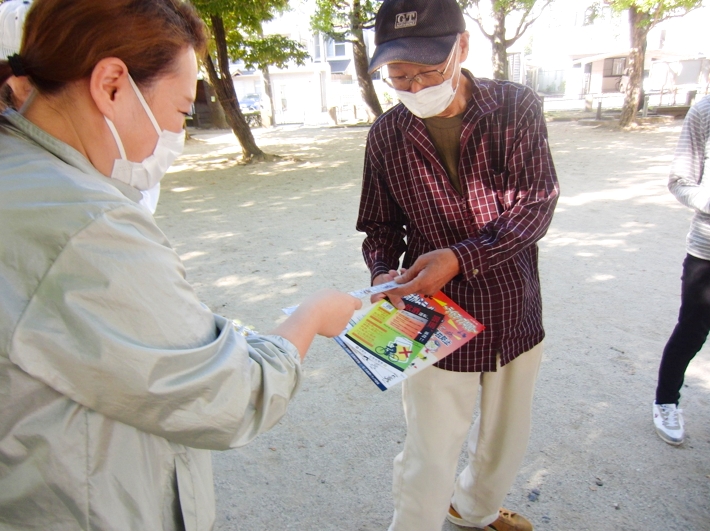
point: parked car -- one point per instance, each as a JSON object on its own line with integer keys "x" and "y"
{"x": 250, "y": 103}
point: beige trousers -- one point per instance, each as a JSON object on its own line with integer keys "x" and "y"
{"x": 439, "y": 407}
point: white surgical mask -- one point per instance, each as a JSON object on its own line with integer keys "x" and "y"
{"x": 431, "y": 101}
{"x": 146, "y": 175}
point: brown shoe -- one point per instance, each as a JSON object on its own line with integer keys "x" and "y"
{"x": 510, "y": 521}
{"x": 506, "y": 521}
{"x": 455, "y": 518}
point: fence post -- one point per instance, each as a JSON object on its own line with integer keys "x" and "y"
{"x": 599, "y": 109}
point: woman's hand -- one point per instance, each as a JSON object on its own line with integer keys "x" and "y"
{"x": 324, "y": 313}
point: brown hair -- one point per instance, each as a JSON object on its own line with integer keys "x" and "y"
{"x": 64, "y": 39}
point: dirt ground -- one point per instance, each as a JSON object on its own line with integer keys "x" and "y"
{"x": 259, "y": 238}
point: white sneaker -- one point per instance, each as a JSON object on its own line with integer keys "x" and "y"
{"x": 668, "y": 420}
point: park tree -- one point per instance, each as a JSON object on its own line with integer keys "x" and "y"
{"x": 643, "y": 16}
{"x": 346, "y": 20}
{"x": 236, "y": 33}
{"x": 521, "y": 13}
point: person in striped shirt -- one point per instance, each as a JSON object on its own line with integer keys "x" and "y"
{"x": 687, "y": 184}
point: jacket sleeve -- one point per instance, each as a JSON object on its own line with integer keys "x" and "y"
{"x": 686, "y": 177}
{"x": 115, "y": 327}
{"x": 527, "y": 195}
{"x": 380, "y": 218}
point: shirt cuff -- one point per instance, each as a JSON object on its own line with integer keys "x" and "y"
{"x": 472, "y": 260}
{"x": 379, "y": 269}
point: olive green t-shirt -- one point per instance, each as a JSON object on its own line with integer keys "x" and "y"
{"x": 446, "y": 135}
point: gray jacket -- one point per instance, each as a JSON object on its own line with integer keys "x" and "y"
{"x": 114, "y": 379}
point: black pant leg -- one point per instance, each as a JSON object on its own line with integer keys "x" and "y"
{"x": 691, "y": 331}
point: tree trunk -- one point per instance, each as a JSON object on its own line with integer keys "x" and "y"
{"x": 364, "y": 80}
{"x": 227, "y": 96}
{"x": 499, "y": 57}
{"x": 639, "y": 24}
{"x": 269, "y": 92}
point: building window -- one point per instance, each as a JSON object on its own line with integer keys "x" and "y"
{"x": 614, "y": 66}
{"x": 316, "y": 46}
{"x": 618, "y": 66}
{"x": 335, "y": 48}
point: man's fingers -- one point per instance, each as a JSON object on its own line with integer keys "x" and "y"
{"x": 402, "y": 290}
{"x": 377, "y": 297}
{"x": 396, "y": 301}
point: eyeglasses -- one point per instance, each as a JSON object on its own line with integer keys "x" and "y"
{"x": 425, "y": 79}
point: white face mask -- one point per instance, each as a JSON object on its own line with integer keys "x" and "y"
{"x": 147, "y": 174}
{"x": 431, "y": 101}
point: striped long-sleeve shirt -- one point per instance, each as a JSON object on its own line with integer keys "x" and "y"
{"x": 686, "y": 180}
{"x": 509, "y": 191}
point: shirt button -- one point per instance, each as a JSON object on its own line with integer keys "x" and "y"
{"x": 475, "y": 271}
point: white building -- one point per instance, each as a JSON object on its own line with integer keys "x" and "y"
{"x": 577, "y": 56}
{"x": 325, "y": 87}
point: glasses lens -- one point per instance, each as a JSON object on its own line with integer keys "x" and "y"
{"x": 428, "y": 79}
{"x": 399, "y": 82}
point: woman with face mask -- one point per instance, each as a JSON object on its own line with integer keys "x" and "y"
{"x": 114, "y": 379}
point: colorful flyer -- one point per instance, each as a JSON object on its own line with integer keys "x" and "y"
{"x": 390, "y": 344}
{"x": 396, "y": 336}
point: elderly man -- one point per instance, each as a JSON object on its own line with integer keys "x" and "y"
{"x": 460, "y": 180}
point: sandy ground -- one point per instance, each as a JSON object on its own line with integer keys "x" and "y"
{"x": 258, "y": 238}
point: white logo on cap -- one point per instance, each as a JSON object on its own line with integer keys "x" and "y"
{"x": 405, "y": 20}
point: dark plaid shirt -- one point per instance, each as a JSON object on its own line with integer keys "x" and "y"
{"x": 510, "y": 189}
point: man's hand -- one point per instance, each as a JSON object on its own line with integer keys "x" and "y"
{"x": 381, "y": 279}
{"x": 429, "y": 273}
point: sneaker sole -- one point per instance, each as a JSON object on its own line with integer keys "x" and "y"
{"x": 668, "y": 440}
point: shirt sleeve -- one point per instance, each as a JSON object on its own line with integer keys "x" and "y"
{"x": 115, "y": 327}
{"x": 528, "y": 193}
{"x": 380, "y": 218}
{"x": 686, "y": 177}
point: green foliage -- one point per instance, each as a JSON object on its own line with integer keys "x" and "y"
{"x": 266, "y": 50}
{"x": 513, "y": 5}
{"x": 243, "y": 21}
{"x": 339, "y": 18}
{"x": 656, "y": 10}
{"x": 243, "y": 14}
{"x": 501, "y": 6}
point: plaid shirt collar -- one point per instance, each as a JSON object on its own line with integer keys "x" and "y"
{"x": 481, "y": 103}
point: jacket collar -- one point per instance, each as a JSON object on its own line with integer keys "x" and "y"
{"x": 26, "y": 129}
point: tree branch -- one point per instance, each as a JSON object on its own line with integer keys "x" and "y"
{"x": 525, "y": 23}
{"x": 667, "y": 17}
{"x": 480, "y": 26}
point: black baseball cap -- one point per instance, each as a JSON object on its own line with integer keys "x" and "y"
{"x": 416, "y": 31}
